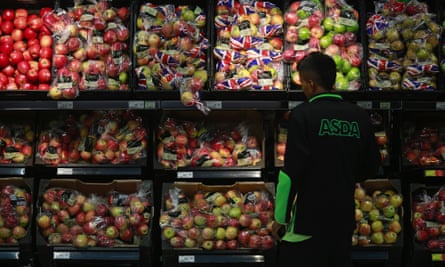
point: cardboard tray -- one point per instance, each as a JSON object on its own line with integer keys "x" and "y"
{"x": 189, "y": 188}
{"x": 28, "y": 185}
{"x": 372, "y": 185}
{"x": 126, "y": 186}
{"x": 218, "y": 119}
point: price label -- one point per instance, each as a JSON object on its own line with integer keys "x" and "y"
{"x": 293, "y": 104}
{"x": 186, "y": 259}
{"x": 440, "y": 105}
{"x": 65, "y": 105}
{"x": 434, "y": 173}
{"x": 136, "y": 104}
{"x": 214, "y": 104}
{"x": 437, "y": 257}
{"x": 385, "y": 105}
{"x": 150, "y": 105}
{"x": 64, "y": 171}
{"x": 365, "y": 104}
{"x": 61, "y": 255}
{"x": 184, "y": 175}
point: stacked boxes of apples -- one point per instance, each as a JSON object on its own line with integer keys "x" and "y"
{"x": 16, "y": 143}
{"x": 248, "y": 46}
{"x": 91, "y": 48}
{"x": 25, "y": 50}
{"x": 97, "y": 137}
{"x": 330, "y": 26}
{"x": 15, "y": 210}
{"x": 428, "y": 216}
{"x": 403, "y": 38}
{"x": 209, "y": 142}
{"x": 82, "y": 214}
{"x": 217, "y": 217}
{"x": 170, "y": 44}
{"x": 378, "y": 213}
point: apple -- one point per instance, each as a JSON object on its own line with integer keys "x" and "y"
{"x": 46, "y": 41}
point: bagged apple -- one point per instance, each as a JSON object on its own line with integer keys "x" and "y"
{"x": 248, "y": 47}
{"x": 169, "y": 45}
{"x": 189, "y": 90}
{"x": 15, "y": 211}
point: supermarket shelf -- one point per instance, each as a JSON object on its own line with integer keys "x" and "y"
{"x": 228, "y": 104}
{"x": 13, "y": 171}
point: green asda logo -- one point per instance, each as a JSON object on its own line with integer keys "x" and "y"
{"x": 339, "y": 128}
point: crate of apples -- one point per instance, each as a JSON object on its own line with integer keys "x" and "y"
{"x": 91, "y": 50}
{"x": 378, "y": 213}
{"x": 185, "y": 142}
{"x": 196, "y": 216}
{"x": 83, "y": 214}
{"x": 26, "y": 49}
{"x": 15, "y": 211}
{"x": 113, "y": 137}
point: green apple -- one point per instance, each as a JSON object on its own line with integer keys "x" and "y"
{"x": 346, "y": 67}
{"x": 304, "y": 33}
{"x": 188, "y": 15}
{"x": 338, "y": 62}
{"x": 328, "y": 24}
{"x": 123, "y": 77}
{"x": 389, "y": 211}
{"x": 339, "y": 28}
{"x": 374, "y": 215}
{"x": 168, "y": 232}
{"x": 353, "y": 27}
{"x": 377, "y": 238}
{"x": 390, "y": 237}
{"x": 353, "y": 74}
{"x": 342, "y": 83}
{"x": 302, "y": 14}
{"x": 377, "y": 226}
{"x": 325, "y": 41}
{"x": 235, "y": 212}
{"x": 220, "y": 233}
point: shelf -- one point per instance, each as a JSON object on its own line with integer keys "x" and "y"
{"x": 12, "y": 171}
{"x": 113, "y": 254}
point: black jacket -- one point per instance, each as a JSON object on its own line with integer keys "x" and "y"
{"x": 330, "y": 146}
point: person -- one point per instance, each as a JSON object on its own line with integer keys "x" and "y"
{"x": 330, "y": 147}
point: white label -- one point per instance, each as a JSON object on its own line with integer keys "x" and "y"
{"x": 136, "y": 104}
{"x": 365, "y": 104}
{"x": 293, "y": 104}
{"x": 185, "y": 175}
{"x": 186, "y": 259}
{"x": 65, "y": 105}
{"x": 61, "y": 255}
{"x": 385, "y": 105}
{"x": 64, "y": 171}
{"x": 214, "y": 104}
{"x": 440, "y": 105}
{"x": 150, "y": 104}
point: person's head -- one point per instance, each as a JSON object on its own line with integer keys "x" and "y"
{"x": 317, "y": 73}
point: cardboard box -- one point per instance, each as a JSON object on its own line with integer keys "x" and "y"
{"x": 26, "y": 184}
{"x": 218, "y": 120}
{"x": 127, "y": 186}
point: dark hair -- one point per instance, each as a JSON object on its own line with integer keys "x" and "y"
{"x": 320, "y": 68}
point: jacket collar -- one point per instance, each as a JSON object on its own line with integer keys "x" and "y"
{"x": 324, "y": 95}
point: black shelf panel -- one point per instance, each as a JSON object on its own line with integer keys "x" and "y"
{"x": 230, "y": 174}
{"x": 370, "y": 255}
{"x": 104, "y": 171}
{"x": 212, "y": 258}
{"x": 114, "y": 254}
{"x": 13, "y": 171}
{"x": 228, "y": 104}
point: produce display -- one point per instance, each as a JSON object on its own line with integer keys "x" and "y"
{"x": 377, "y": 215}
{"x": 330, "y": 26}
{"x": 428, "y": 216}
{"x": 15, "y": 213}
{"x": 96, "y": 137}
{"x": 249, "y": 46}
{"x": 170, "y": 50}
{"x": 26, "y": 49}
{"x": 68, "y": 216}
{"x": 16, "y": 142}
{"x": 403, "y": 41}
{"x": 91, "y": 48}
{"x": 217, "y": 220}
{"x": 188, "y": 143}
